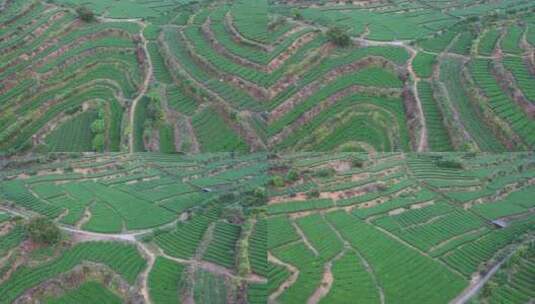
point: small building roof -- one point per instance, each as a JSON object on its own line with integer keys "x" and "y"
{"x": 500, "y": 223}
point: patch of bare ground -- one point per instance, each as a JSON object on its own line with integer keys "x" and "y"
{"x": 7, "y": 259}
{"x": 85, "y": 217}
{"x": 294, "y": 274}
{"x": 297, "y": 197}
{"x": 296, "y": 215}
{"x": 350, "y": 208}
{"x": 396, "y": 211}
{"x": 195, "y": 147}
{"x": 341, "y": 165}
{"x": 422, "y": 205}
{"x": 5, "y": 227}
{"x": 186, "y": 291}
{"x": 360, "y": 177}
{"x": 278, "y": 61}
{"x": 354, "y": 192}
{"x": 528, "y": 56}
{"x": 287, "y": 34}
{"x": 327, "y": 280}
{"x": 293, "y": 73}
{"x": 383, "y": 199}
{"x": 29, "y": 38}
{"x": 93, "y": 170}
{"x": 62, "y": 215}
{"x": 342, "y": 194}
{"x": 529, "y": 61}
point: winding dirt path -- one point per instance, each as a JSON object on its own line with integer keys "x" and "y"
{"x": 294, "y": 274}
{"x": 304, "y": 238}
{"x": 423, "y": 142}
{"x": 143, "y": 90}
{"x": 326, "y": 281}
{"x": 477, "y": 284}
{"x": 131, "y": 237}
{"x": 364, "y": 262}
{"x": 148, "y": 74}
{"x": 151, "y": 258}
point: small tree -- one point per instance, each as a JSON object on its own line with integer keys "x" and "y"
{"x": 85, "y": 14}
{"x": 256, "y": 197}
{"x": 314, "y": 193}
{"x": 42, "y": 230}
{"x": 98, "y": 142}
{"x": 297, "y": 14}
{"x": 98, "y": 126}
{"x": 277, "y": 181}
{"x": 292, "y": 176}
{"x": 338, "y": 36}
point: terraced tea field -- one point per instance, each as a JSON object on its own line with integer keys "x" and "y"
{"x": 267, "y": 151}
{"x": 247, "y": 76}
{"x": 197, "y": 228}
{"x": 144, "y": 228}
{"x": 381, "y": 227}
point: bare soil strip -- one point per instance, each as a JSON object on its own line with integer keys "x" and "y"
{"x": 294, "y": 274}
{"x": 305, "y": 240}
{"x": 326, "y": 281}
